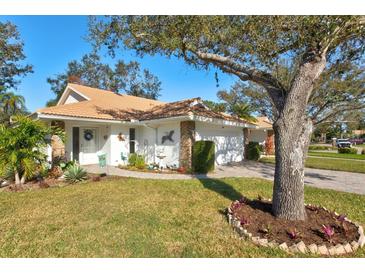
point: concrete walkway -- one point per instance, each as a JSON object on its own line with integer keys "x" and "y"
{"x": 329, "y": 179}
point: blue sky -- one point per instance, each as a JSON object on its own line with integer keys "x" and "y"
{"x": 52, "y": 41}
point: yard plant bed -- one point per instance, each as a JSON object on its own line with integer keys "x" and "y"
{"x": 323, "y": 232}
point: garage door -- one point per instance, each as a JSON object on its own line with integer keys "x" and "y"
{"x": 228, "y": 142}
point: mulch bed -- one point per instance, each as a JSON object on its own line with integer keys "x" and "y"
{"x": 256, "y": 218}
{"x": 52, "y": 182}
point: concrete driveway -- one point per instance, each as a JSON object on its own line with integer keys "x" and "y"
{"x": 329, "y": 179}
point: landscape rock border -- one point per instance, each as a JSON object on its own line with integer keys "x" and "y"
{"x": 301, "y": 247}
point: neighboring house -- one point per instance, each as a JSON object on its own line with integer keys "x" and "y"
{"x": 99, "y": 121}
{"x": 264, "y": 134}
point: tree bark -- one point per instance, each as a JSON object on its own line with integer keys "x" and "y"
{"x": 292, "y": 135}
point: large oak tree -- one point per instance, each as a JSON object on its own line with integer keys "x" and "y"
{"x": 251, "y": 47}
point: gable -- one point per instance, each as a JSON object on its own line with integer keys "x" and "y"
{"x": 73, "y": 97}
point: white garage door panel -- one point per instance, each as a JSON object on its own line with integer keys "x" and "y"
{"x": 228, "y": 142}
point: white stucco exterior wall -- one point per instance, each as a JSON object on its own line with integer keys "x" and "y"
{"x": 258, "y": 135}
{"x": 118, "y": 147}
{"x": 229, "y": 141}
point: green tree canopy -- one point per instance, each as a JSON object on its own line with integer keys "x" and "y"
{"x": 11, "y": 104}
{"x": 11, "y": 57}
{"x": 91, "y": 71}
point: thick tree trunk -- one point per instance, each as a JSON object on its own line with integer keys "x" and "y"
{"x": 291, "y": 144}
{"x": 292, "y": 134}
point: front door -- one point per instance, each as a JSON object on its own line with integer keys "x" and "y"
{"x": 88, "y": 146}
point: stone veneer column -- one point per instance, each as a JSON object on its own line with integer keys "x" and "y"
{"x": 246, "y": 140}
{"x": 58, "y": 147}
{"x": 187, "y": 139}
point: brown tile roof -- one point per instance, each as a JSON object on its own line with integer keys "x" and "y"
{"x": 263, "y": 122}
{"x": 108, "y": 105}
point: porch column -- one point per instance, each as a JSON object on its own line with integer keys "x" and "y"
{"x": 246, "y": 140}
{"x": 58, "y": 147}
{"x": 187, "y": 139}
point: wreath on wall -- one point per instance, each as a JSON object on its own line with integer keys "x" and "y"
{"x": 88, "y": 135}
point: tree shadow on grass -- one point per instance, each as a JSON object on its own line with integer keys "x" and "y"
{"x": 221, "y": 188}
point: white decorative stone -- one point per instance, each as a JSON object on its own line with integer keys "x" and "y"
{"x": 273, "y": 244}
{"x": 361, "y": 241}
{"x": 230, "y": 219}
{"x": 360, "y": 230}
{"x": 293, "y": 249}
{"x": 340, "y": 250}
{"x": 263, "y": 242}
{"x": 354, "y": 245}
{"x": 313, "y": 248}
{"x": 347, "y": 248}
{"x": 301, "y": 247}
{"x": 332, "y": 251}
{"x": 323, "y": 250}
{"x": 283, "y": 246}
{"x": 249, "y": 235}
{"x": 255, "y": 240}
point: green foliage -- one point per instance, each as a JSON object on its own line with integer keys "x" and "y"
{"x": 136, "y": 160}
{"x": 140, "y": 162}
{"x": 203, "y": 156}
{"x": 91, "y": 71}
{"x": 132, "y": 159}
{"x": 347, "y": 150}
{"x": 319, "y": 147}
{"x": 22, "y": 147}
{"x": 11, "y": 57}
{"x": 75, "y": 173}
{"x": 253, "y": 151}
{"x": 10, "y": 105}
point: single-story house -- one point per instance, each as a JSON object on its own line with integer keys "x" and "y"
{"x": 103, "y": 122}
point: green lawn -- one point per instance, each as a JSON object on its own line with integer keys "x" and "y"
{"x": 328, "y": 163}
{"x": 337, "y": 155}
{"x": 142, "y": 218}
{"x": 363, "y": 145}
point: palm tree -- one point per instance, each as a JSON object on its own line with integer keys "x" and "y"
{"x": 244, "y": 111}
{"x": 22, "y": 148}
{"x": 11, "y": 104}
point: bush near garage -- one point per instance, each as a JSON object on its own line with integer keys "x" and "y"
{"x": 203, "y": 156}
{"x": 253, "y": 151}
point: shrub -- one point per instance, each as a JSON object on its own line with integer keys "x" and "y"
{"x": 203, "y": 156}
{"x": 132, "y": 159}
{"x": 253, "y": 151}
{"x": 347, "y": 150}
{"x": 75, "y": 174}
{"x": 140, "y": 162}
{"x": 363, "y": 151}
{"x": 136, "y": 160}
{"x": 318, "y": 147}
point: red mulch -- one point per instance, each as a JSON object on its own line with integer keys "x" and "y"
{"x": 258, "y": 220}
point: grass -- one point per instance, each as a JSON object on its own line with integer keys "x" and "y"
{"x": 328, "y": 163}
{"x": 142, "y": 218}
{"x": 337, "y": 155}
{"x": 362, "y": 145}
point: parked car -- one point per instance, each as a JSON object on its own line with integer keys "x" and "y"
{"x": 343, "y": 143}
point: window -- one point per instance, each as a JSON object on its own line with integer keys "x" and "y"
{"x": 132, "y": 140}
